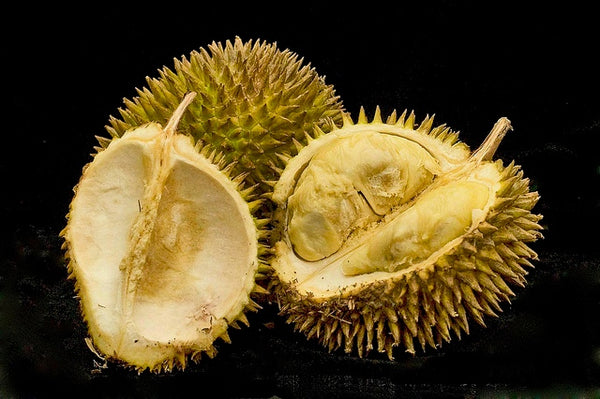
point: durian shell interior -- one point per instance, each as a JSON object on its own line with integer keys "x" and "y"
{"x": 161, "y": 271}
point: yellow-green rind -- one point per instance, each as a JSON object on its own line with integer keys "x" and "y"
{"x": 430, "y": 304}
{"x": 254, "y": 101}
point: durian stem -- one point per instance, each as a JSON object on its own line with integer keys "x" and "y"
{"x": 171, "y": 126}
{"x": 488, "y": 148}
{"x": 178, "y": 113}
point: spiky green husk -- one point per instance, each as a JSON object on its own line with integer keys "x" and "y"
{"x": 254, "y": 101}
{"x": 431, "y": 303}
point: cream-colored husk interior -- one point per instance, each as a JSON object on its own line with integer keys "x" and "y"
{"x": 173, "y": 277}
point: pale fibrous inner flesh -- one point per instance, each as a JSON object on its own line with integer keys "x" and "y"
{"x": 344, "y": 230}
{"x": 164, "y": 247}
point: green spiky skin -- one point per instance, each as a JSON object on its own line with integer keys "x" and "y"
{"x": 428, "y": 307}
{"x": 254, "y": 101}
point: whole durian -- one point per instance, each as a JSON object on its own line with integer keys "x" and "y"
{"x": 254, "y": 103}
{"x": 163, "y": 248}
{"x": 391, "y": 233}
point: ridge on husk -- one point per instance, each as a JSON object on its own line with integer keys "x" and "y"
{"x": 150, "y": 253}
{"x": 407, "y": 300}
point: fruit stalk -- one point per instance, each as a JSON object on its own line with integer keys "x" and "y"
{"x": 488, "y": 148}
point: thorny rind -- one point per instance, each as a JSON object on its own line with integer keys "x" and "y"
{"x": 428, "y": 302}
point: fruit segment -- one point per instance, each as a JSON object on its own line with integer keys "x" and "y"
{"x": 163, "y": 249}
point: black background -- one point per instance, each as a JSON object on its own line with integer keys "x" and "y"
{"x": 66, "y": 70}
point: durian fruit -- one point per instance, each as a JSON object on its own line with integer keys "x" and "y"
{"x": 397, "y": 235}
{"x": 254, "y": 101}
{"x": 163, "y": 248}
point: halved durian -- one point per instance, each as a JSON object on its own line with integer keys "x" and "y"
{"x": 389, "y": 233}
{"x": 163, "y": 248}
